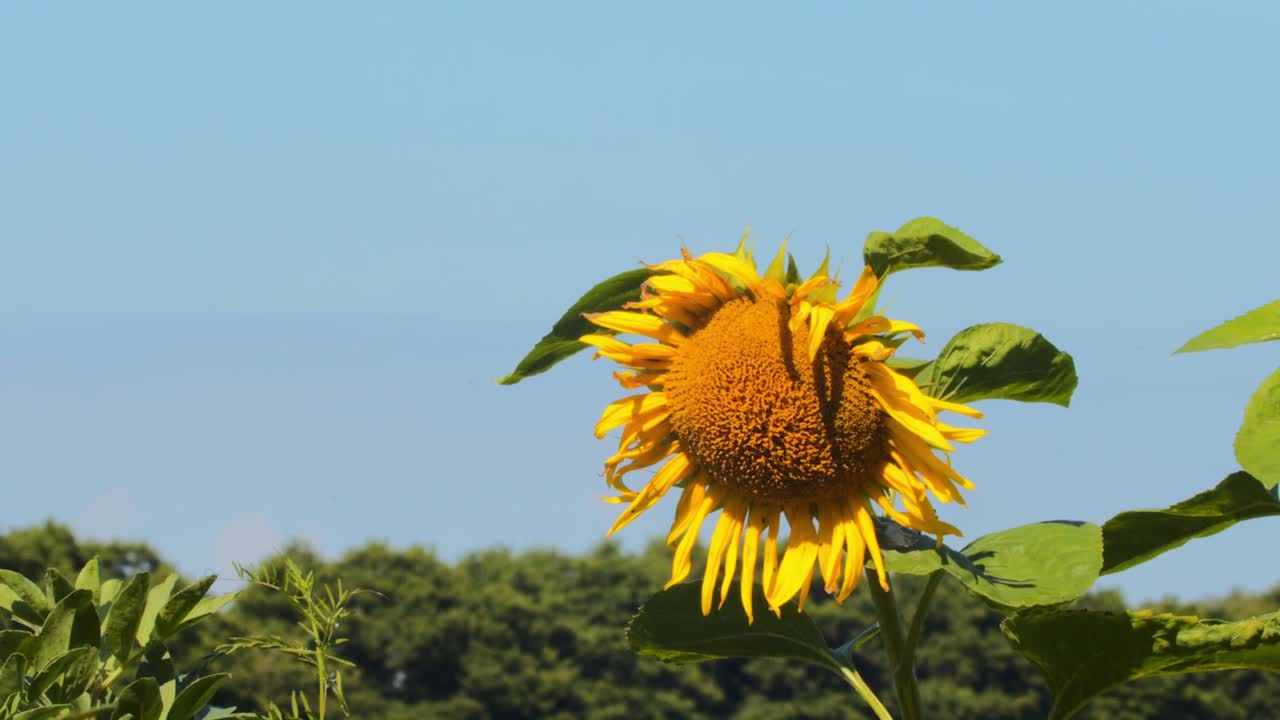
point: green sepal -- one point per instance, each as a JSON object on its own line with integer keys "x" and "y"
{"x": 793, "y": 271}
{"x": 925, "y": 242}
{"x": 1136, "y": 536}
{"x": 562, "y": 341}
{"x": 1257, "y": 325}
{"x": 1083, "y": 653}
{"x": 1042, "y": 564}
{"x": 1257, "y": 443}
{"x": 670, "y": 626}
{"x": 1000, "y": 361}
{"x": 777, "y": 270}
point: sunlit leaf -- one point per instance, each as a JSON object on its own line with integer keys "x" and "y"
{"x": 1135, "y": 537}
{"x": 1083, "y": 653}
{"x": 1000, "y": 361}
{"x": 925, "y": 242}
{"x": 562, "y": 341}
{"x": 1258, "y": 325}
{"x": 195, "y": 696}
{"x": 180, "y": 605}
{"x": 121, "y": 627}
{"x": 1258, "y": 440}
{"x": 1041, "y": 564}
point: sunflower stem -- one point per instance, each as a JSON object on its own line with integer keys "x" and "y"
{"x": 904, "y": 675}
{"x": 851, "y": 676}
{"x": 917, "y": 620}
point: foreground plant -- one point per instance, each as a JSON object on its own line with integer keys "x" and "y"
{"x": 93, "y": 648}
{"x": 322, "y": 610}
{"x": 767, "y": 397}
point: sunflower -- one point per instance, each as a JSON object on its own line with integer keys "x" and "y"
{"x": 769, "y": 400}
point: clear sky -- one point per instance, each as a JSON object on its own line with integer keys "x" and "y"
{"x": 260, "y": 262}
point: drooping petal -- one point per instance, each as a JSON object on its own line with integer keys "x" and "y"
{"x": 819, "y": 318}
{"x": 676, "y": 469}
{"x": 750, "y": 548}
{"x": 867, "y": 528}
{"x": 798, "y": 560}
{"x": 682, "y": 560}
{"x": 728, "y": 530}
{"x": 905, "y": 403}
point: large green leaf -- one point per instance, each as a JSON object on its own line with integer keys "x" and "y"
{"x": 12, "y": 675}
{"x": 671, "y": 627}
{"x": 1083, "y": 653}
{"x": 562, "y": 341}
{"x": 1258, "y": 440}
{"x": 121, "y": 627}
{"x": 1041, "y": 564}
{"x": 195, "y": 696}
{"x": 182, "y": 603}
{"x": 89, "y": 578}
{"x": 925, "y": 242}
{"x": 141, "y": 699}
{"x": 205, "y": 608}
{"x": 1258, "y": 325}
{"x": 54, "y": 638}
{"x": 69, "y": 660}
{"x": 157, "y": 596}
{"x": 1000, "y": 361}
{"x": 1135, "y": 537}
{"x": 25, "y": 600}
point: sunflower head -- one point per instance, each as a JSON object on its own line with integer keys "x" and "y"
{"x": 769, "y": 400}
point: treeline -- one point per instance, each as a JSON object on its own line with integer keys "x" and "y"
{"x": 539, "y": 634}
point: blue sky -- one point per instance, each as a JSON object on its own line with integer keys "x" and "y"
{"x": 259, "y": 264}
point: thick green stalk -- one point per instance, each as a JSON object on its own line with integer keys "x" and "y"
{"x": 917, "y": 620}
{"x": 904, "y": 675}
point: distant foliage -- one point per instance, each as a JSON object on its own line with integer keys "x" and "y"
{"x": 538, "y": 635}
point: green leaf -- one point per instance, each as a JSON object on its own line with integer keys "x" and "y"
{"x": 156, "y": 599}
{"x": 69, "y": 660}
{"x": 182, "y": 603}
{"x": 89, "y": 578}
{"x": 141, "y": 699}
{"x": 1258, "y": 325}
{"x": 205, "y": 608}
{"x": 562, "y": 341}
{"x": 110, "y": 588}
{"x": 9, "y": 642}
{"x": 42, "y": 713}
{"x": 671, "y": 627}
{"x": 12, "y": 675}
{"x": 1258, "y": 440}
{"x": 31, "y": 604}
{"x": 56, "y": 586}
{"x": 195, "y": 696}
{"x": 925, "y": 242}
{"x": 1041, "y": 564}
{"x": 1083, "y": 653}
{"x": 1000, "y": 361}
{"x": 1135, "y": 537}
{"x": 121, "y": 627}
{"x": 54, "y": 638}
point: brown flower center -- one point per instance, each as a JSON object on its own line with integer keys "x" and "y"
{"x": 760, "y": 418}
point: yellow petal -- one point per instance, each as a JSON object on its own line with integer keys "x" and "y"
{"x": 864, "y": 288}
{"x": 690, "y": 499}
{"x": 819, "y": 318}
{"x": 867, "y": 528}
{"x": 676, "y": 469}
{"x": 636, "y": 323}
{"x": 682, "y": 560}
{"x": 804, "y": 587}
{"x": 750, "y": 548}
{"x": 955, "y": 408}
{"x": 770, "y": 574}
{"x": 738, "y": 511}
{"x": 798, "y": 561}
{"x": 903, "y": 401}
{"x": 620, "y": 412}
{"x": 855, "y": 555}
